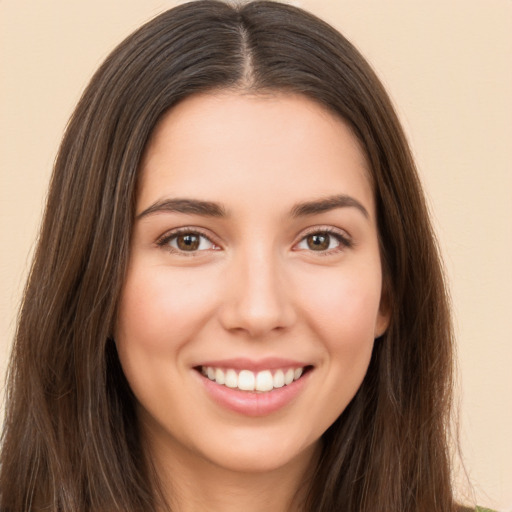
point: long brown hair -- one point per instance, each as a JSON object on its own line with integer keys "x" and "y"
{"x": 70, "y": 440}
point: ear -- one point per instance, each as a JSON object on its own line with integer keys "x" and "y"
{"x": 384, "y": 314}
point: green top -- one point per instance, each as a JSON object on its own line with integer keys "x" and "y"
{"x": 481, "y": 509}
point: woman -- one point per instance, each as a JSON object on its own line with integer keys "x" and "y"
{"x": 236, "y": 300}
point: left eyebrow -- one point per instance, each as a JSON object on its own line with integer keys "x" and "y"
{"x": 326, "y": 204}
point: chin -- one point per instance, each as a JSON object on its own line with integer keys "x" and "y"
{"x": 261, "y": 453}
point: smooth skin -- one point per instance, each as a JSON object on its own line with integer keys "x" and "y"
{"x": 253, "y": 276}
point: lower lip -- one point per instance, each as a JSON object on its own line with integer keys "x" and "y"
{"x": 254, "y": 404}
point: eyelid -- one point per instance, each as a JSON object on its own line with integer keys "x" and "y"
{"x": 164, "y": 239}
{"x": 345, "y": 240}
{"x": 342, "y": 236}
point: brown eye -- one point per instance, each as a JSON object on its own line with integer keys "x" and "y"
{"x": 318, "y": 241}
{"x": 324, "y": 242}
{"x": 188, "y": 242}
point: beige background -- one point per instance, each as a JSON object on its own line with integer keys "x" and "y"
{"x": 448, "y": 67}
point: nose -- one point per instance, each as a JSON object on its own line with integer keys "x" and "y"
{"x": 257, "y": 298}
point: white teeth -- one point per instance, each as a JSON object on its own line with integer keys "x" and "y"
{"x": 231, "y": 379}
{"x": 247, "y": 380}
{"x": 279, "y": 379}
{"x": 264, "y": 381}
{"x": 288, "y": 376}
{"x": 219, "y": 376}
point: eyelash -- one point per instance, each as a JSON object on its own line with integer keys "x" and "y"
{"x": 164, "y": 241}
{"x": 344, "y": 241}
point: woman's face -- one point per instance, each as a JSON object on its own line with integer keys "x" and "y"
{"x": 253, "y": 293}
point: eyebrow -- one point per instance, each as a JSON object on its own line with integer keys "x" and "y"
{"x": 211, "y": 209}
{"x": 327, "y": 204}
{"x": 190, "y": 206}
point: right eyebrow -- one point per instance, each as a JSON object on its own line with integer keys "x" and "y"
{"x": 187, "y": 206}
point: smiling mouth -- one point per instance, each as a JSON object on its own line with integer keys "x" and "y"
{"x": 246, "y": 380}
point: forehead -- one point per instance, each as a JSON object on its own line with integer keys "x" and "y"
{"x": 278, "y": 147}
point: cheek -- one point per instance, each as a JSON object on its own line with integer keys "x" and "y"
{"x": 341, "y": 308}
{"x": 161, "y": 308}
{"x": 344, "y": 306}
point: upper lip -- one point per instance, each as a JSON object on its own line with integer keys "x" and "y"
{"x": 255, "y": 365}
